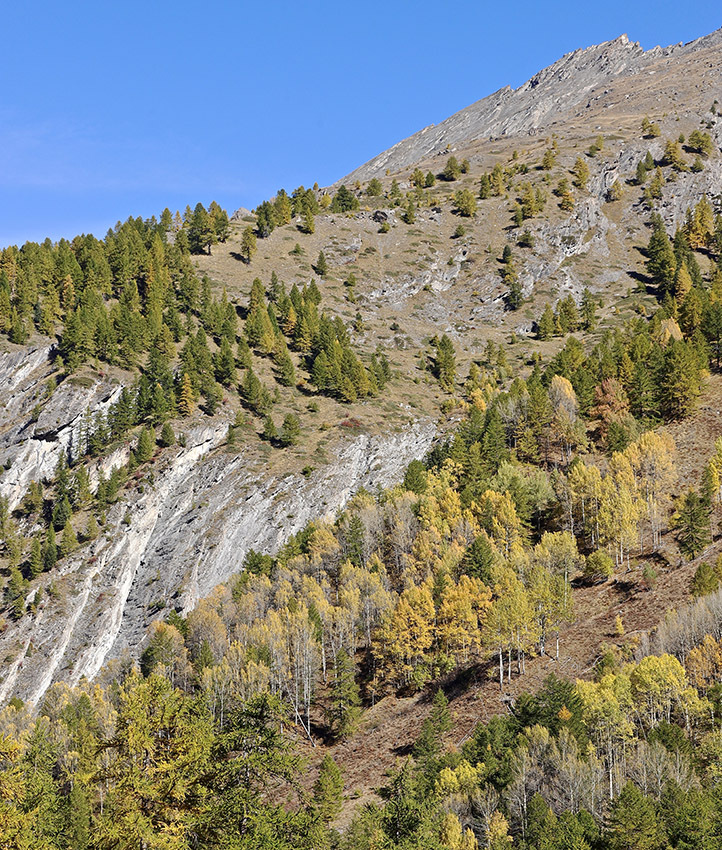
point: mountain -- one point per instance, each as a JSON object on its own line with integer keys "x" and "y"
{"x": 185, "y": 521}
{"x": 616, "y": 81}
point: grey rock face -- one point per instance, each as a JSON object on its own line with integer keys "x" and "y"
{"x": 170, "y": 543}
{"x": 566, "y": 85}
{"x": 30, "y": 443}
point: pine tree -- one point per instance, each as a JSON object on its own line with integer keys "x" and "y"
{"x": 416, "y": 477}
{"x": 633, "y": 822}
{"x": 344, "y": 201}
{"x": 588, "y": 310}
{"x": 219, "y": 221}
{"x": 201, "y": 232}
{"x": 478, "y": 559}
{"x": 445, "y": 363}
{"x": 514, "y": 296}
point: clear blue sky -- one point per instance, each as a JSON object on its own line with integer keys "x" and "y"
{"x": 117, "y": 109}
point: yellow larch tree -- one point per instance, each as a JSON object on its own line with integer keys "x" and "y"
{"x": 653, "y": 461}
{"x": 462, "y": 612}
{"x": 405, "y": 639}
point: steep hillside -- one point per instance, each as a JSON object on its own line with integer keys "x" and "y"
{"x": 605, "y": 85}
{"x": 185, "y": 520}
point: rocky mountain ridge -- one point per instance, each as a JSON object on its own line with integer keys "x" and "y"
{"x": 569, "y": 85}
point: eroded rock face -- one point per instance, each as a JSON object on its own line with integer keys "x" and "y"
{"x": 36, "y": 423}
{"x": 171, "y": 543}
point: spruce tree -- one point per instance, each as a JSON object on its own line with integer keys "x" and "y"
{"x": 167, "y": 436}
{"x": 328, "y": 790}
{"x": 344, "y": 705}
{"x": 50, "y": 550}
{"x": 145, "y": 446}
{"x": 290, "y": 430}
{"x": 691, "y": 520}
{"x": 69, "y": 542}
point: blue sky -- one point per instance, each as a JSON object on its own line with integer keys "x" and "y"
{"x": 110, "y": 110}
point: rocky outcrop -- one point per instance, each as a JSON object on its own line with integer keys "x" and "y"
{"x": 39, "y": 421}
{"x": 178, "y": 536}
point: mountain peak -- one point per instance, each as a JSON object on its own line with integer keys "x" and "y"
{"x": 551, "y": 97}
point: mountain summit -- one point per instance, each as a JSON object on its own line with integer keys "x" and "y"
{"x": 597, "y": 76}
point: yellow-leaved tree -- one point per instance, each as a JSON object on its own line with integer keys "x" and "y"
{"x": 462, "y": 612}
{"x": 653, "y": 461}
{"x": 404, "y": 642}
